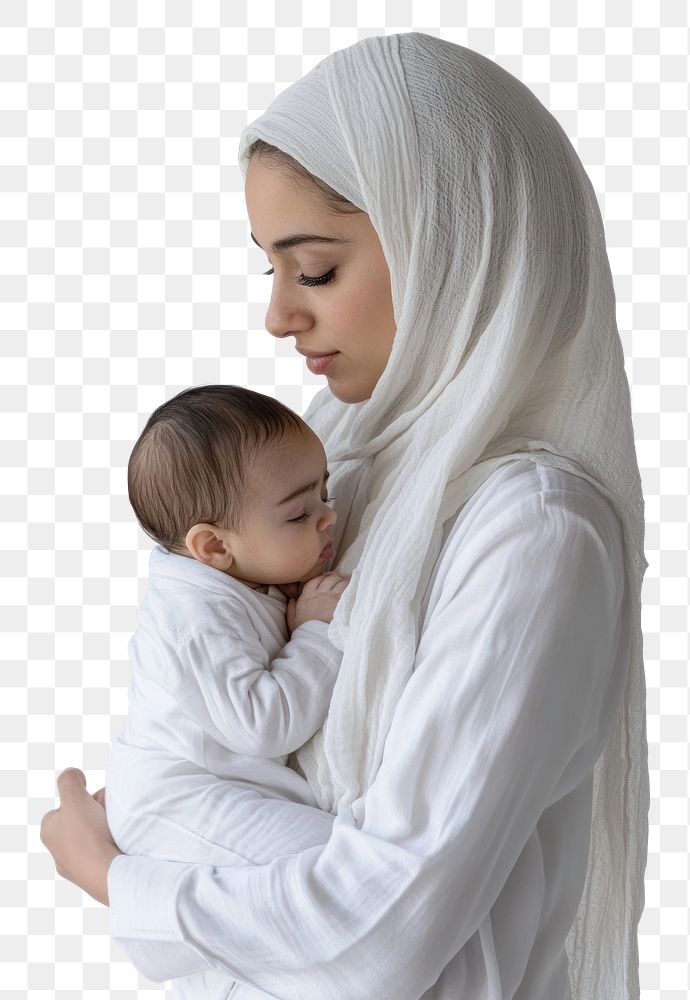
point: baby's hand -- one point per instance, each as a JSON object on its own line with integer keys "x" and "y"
{"x": 318, "y": 600}
{"x": 291, "y": 589}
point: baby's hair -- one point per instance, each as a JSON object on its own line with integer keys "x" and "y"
{"x": 190, "y": 463}
{"x": 335, "y": 201}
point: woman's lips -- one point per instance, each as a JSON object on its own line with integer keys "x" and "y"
{"x": 318, "y": 365}
{"x": 326, "y": 553}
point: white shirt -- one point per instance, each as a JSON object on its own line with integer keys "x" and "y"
{"x": 218, "y": 680}
{"x": 458, "y": 874}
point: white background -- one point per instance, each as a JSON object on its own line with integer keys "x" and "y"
{"x": 127, "y": 273}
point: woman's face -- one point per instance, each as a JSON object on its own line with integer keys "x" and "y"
{"x": 350, "y": 309}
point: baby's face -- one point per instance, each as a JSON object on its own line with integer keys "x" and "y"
{"x": 284, "y": 540}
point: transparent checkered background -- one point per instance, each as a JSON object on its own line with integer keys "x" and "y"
{"x": 127, "y": 274}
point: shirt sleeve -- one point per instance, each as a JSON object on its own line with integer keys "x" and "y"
{"x": 509, "y": 672}
{"x": 253, "y": 706}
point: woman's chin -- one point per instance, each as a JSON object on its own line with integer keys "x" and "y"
{"x": 348, "y": 391}
{"x": 352, "y": 395}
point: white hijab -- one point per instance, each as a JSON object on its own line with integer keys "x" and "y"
{"x": 506, "y": 345}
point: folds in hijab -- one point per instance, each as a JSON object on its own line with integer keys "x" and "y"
{"x": 506, "y": 346}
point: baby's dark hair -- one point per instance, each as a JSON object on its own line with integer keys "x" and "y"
{"x": 190, "y": 463}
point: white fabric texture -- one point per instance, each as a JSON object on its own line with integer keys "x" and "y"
{"x": 217, "y": 681}
{"x": 459, "y": 871}
{"x": 220, "y": 693}
{"x": 506, "y": 345}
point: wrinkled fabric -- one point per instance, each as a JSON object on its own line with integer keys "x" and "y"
{"x": 217, "y": 678}
{"x": 459, "y": 871}
{"x": 220, "y": 693}
{"x": 506, "y": 345}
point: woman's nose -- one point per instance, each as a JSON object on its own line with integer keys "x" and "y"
{"x": 284, "y": 315}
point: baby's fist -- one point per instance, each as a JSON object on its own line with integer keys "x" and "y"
{"x": 318, "y": 599}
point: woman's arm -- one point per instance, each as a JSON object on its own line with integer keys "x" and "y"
{"x": 506, "y": 689}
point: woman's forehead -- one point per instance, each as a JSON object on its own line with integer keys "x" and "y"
{"x": 286, "y": 213}
{"x": 275, "y": 180}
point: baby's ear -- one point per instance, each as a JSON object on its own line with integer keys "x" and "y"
{"x": 207, "y": 544}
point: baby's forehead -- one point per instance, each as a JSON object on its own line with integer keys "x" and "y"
{"x": 303, "y": 447}
{"x": 291, "y": 466}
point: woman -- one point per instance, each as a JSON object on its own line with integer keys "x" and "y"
{"x": 491, "y": 701}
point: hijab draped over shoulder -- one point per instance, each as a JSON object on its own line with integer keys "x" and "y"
{"x": 506, "y": 346}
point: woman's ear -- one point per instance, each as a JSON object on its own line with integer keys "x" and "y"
{"x": 209, "y": 544}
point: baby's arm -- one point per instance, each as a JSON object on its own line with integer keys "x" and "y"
{"x": 250, "y": 704}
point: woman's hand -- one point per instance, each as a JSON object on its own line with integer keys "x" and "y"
{"x": 78, "y": 837}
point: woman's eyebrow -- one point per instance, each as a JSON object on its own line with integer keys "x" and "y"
{"x": 299, "y": 238}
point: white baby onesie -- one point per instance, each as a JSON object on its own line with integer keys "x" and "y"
{"x": 220, "y": 695}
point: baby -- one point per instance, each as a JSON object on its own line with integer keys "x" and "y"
{"x": 228, "y": 675}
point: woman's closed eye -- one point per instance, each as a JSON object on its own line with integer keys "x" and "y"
{"x": 304, "y": 279}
